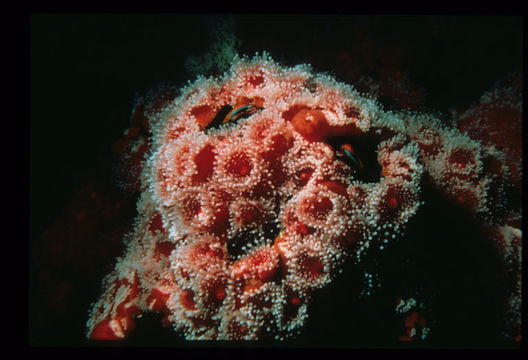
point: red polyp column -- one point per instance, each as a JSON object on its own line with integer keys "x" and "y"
{"x": 311, "y": 124}
{"x": 103, "y": 331}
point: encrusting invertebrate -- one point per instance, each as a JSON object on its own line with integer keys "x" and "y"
{"x": 254, "y": 195}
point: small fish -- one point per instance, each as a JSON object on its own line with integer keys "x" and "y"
{"x": 351, "y": 154}
{"x": 239, "y": 111}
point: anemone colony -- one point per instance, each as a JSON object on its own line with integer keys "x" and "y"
{"x": 254, "y": 194}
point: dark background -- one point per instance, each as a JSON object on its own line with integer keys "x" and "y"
{"x": 87, "y": 69}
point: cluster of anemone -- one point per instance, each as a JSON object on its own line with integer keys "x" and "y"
{"x": 258, "y": 186}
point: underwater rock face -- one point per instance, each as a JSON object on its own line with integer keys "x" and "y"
{"x": 259, "y": 185}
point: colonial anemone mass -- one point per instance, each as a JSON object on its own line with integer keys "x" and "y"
{"x": 257, "y": 186}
